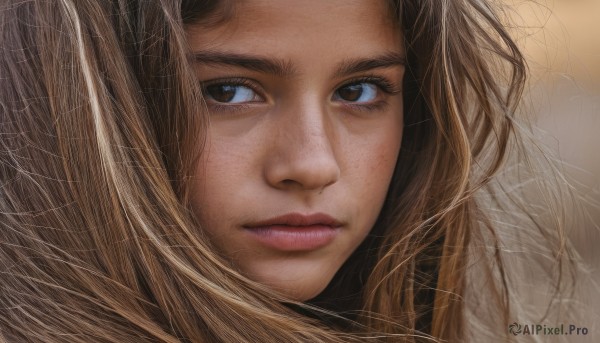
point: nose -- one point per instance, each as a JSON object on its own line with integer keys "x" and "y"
{"x": 302, "y": 154}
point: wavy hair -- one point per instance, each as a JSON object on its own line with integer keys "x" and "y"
{"x": 101, "y": 124}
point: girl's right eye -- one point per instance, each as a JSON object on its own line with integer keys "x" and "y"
{"x": 230, "y": 93}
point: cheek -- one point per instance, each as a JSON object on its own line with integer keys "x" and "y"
{"x": 376, "y": 163}
{"x": 217, "y": 179}
{"x": 383, "y": 162}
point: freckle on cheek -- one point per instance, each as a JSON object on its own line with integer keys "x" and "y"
{"x": 382, "y": 159}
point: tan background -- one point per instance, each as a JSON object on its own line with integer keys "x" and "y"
{"x": 561, "y": 41}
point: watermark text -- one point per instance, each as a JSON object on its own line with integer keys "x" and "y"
{"x": 546, "y": 330}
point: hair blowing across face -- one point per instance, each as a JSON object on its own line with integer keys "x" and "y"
{"x": 101, "y": 123}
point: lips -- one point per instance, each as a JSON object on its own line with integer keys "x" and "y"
{"x": 298, "y": 220}
{"x": 295, "y": 232}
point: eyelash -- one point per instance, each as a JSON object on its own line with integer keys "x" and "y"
{"x": 236, "y": 81}
{"x": 382, "y": 84}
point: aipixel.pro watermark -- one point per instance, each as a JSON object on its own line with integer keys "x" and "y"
{"x": 547, "y": 330}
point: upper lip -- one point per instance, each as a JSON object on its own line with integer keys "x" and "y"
{"x": 297, "y": 220}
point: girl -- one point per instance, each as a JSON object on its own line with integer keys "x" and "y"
{"x": 253, "y": 171}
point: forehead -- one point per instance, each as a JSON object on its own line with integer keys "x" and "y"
{"x": 292, "y": 27}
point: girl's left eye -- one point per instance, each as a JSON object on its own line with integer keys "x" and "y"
{"x": 230, "y": 93}
{"x": 361, "y": 92}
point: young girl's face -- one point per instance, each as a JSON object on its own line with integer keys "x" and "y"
{"x": 305, "y": 127}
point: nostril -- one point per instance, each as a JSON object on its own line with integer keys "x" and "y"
{"x": 289, "y": 182}
{"x": 314, "y": 178}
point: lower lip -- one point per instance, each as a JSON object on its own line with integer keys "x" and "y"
{"x": 294, "y": 238}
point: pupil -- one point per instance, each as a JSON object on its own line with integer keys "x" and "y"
{"x": 221, "y": 93}
{"x": 351, "y": 93}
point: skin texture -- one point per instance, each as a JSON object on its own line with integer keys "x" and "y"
{"x": 292, "y": 140}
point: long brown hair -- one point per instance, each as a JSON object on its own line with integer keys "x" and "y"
{"x": 102, "y": 123}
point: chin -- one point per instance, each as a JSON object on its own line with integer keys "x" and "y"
{"x": 296, "y": 282}
{"x": 304, "y": 292}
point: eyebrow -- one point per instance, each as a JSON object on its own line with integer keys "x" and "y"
{"x": 353, "y": 66}
{"x": 284, "y": 68}
{"x": 261, "y": 64}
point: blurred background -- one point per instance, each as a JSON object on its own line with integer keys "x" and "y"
{"x": 561, "y": 42}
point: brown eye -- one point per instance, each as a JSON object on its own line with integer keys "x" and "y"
{"x": 357, "y": 92}
{"x": 230, "y": 94}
